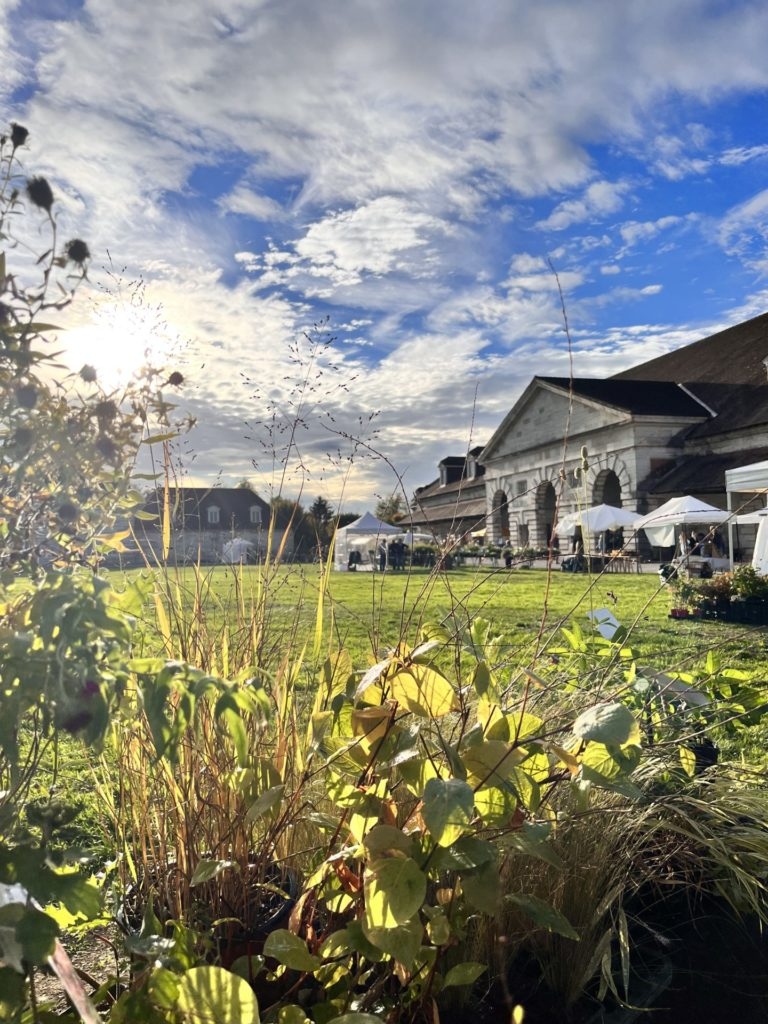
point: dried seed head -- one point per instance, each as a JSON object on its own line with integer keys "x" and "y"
{"x": 23, "y": 437}
{"x": 39, "y": 192}
{"x": 26, "y": 396}
{"x": 176, "y": 379}
{"x": 88, "y": 373}
{"x": 18, "y": 135}
{"x": 67, "y": 512}
{"x": 77, "y": 251}
{"x": 106, "y": 447}
{"x": 105, "y": 410}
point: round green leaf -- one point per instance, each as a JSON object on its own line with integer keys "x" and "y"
{"x": 211, "y": 995}
{"x": 612, "y": 724}
{"x": 464, "y": 974}
{"x": 290, "y": 950}
{"x": 447, "y": 809}
{"x": 394, "y": 890}
{"x": 402, "y": 943}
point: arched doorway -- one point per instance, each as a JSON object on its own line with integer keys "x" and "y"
{"x": 546, "y": 501}
{"x": 500, "y": 518}
{"x": 607, "y": 489}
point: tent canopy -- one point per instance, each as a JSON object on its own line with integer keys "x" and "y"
{"x": 365, "y": 532}
{"x": 751, "y": 479}
{"x": 747, "y": 479}
{"x": 596, "y": 520}
{"x": 368, "y": 523}
{"x": 660, "y": 524}
{"x": 236, "y": 550}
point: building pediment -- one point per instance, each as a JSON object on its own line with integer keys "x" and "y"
{"x": 551, "y": 408}
{"x": 543, "y": 415}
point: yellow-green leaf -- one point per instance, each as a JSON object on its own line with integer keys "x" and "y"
{"x": 290, "y": 950}
{"x": 423, "y": 691}
{"x": 464, "y": 974}
{"x": 447, "y": 809}
{"x": 612, "y": 724}
{"x": 395, "y": 888}
{"x": 490, "y": 763}
{"x": 687, "y": 760}
{"x": 211, "y": 995}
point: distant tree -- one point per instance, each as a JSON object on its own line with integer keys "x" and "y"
{"x": 345, "y": 518}
{"x": 287, "y": 513}
{"x": 391, "y": 509}
{"x": 321, "y": 519}
{"x": 245, "y": 484}
{"x": 321, "y": 512}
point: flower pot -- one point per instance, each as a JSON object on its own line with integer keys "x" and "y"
{"x": 678, "y": 613}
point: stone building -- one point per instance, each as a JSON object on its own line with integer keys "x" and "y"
{"x": 203, "y": 521}
{"x": 669, "y": 426}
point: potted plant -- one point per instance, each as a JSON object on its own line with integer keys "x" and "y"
{"x": 683, "y": 590}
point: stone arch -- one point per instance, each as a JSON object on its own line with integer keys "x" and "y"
{"x": 500, "y": 517}
{"x": 546, "y": 503}
{"x": 606, "y": 489}
{"x": 612, "y": 484}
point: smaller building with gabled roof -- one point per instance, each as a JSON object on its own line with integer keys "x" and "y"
{"x": 453, "y": 505}
{"x": 203, "y": 521}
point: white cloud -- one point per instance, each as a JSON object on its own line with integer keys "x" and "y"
{"x": 244, "y": 201}
{"x": 400, "y": 154}
{"x": 634, "y": 231}
{"x": 599, "y": 199}
{"x": 386, "y": 235}
{"x": 743, "y": 231}
{"x": 742, "y": 154}
{"x": 626, "y": 295}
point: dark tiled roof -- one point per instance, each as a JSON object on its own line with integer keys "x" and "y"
{"x": 732, "y": 356}
{"x": 455, "y": 488}
{"x": 639, "y": 397}
{"x": 737, "y": 407}
{"x": 698, "y": 474}
{"x": 469, "y": 513}
{"x": 234, "y": 504}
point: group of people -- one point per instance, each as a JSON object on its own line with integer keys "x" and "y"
{"x": 392, "y": 555}
{"x": 709, "y": 544}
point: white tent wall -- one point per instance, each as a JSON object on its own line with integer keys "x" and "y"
{"x": 751, "y": 479}
{"x": 760, "y": 557}
{"x": 367, "y": 532}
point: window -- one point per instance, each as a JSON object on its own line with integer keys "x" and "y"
{"x": 522, "y": 487}
{"x": 213, "y": 515}
{"x": 255, "y": 513}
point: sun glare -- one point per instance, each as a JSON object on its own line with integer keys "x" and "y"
{"x": 118, "y": 342}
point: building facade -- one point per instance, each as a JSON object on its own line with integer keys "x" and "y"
{"x": 667, "y": 427}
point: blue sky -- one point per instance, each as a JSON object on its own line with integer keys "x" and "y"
{"x": 406, "y": 172}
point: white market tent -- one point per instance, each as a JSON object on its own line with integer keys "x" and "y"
{"x": 364, "y": 536}
{"x": 751, "y": 479}
{"x": 236, "y": 551}
{"x": 595, "y": 520}
{"x": 660, "y": 524}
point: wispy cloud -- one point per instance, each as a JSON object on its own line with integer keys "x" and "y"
{"x": 406, "y": 170}
{"x": 599, "y": 200}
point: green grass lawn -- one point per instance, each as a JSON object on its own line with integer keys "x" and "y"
{"x": 369, "y": 613}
